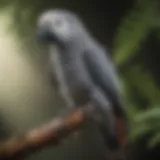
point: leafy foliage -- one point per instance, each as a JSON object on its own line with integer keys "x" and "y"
{"x": 132, "y": 31}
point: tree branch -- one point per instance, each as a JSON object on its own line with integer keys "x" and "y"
{"x": 49, "y": 134}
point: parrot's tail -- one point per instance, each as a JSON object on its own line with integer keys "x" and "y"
{"x": 111, "y": 125}
{"x": 115, "y": 143}
{"x": 116, "y": 139}
{"x": 121, "y": 131}
{"x": 119, "y": 144}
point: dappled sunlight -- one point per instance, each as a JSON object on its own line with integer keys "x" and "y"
{"x": 23, "y": 89}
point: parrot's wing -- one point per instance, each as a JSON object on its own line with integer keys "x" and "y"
{"x": 103, "y": 74}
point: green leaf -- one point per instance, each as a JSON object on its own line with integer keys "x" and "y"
{"x": 133, "y": 31}
{"x": 154, "y": 140}
{"x": 153, "y": 113}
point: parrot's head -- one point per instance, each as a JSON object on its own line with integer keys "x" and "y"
{"x": 59, "y": 26}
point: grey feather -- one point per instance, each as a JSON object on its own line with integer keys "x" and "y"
{"x": 84, "y": 71}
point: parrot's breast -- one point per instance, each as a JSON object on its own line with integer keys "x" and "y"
{"x": 77, "y": 84}
{"x": 72, "y": 77}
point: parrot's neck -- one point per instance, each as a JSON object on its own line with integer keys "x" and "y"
{"x": 77, "y": 45}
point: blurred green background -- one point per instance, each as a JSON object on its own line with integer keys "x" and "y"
{"x": 130, "y": 29}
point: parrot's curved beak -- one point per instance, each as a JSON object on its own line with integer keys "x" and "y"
{"x": 43, "y": 35}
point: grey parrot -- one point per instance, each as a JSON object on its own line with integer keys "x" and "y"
{"x": 84, "y": 72}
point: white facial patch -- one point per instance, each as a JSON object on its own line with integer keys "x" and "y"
{"x": 57, "y": 23}
{"x": 60, "y": 26}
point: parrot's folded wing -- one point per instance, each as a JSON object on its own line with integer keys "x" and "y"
{"x": 102, "y": 73}
{"x": 104, "y": 77}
